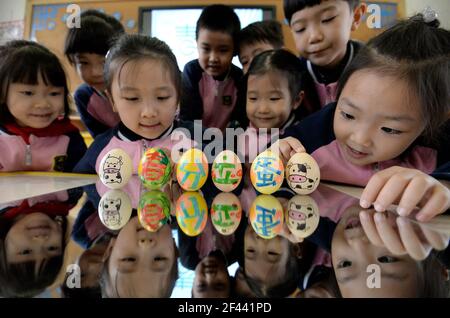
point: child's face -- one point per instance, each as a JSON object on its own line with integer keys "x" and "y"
{"x": 34, "y": 237}
{"x": 265, "y": 260}
{"x": 269, "y": 102}
{"x": 215, "y": 51}
{"x": 91, "y": 263}
{"x": 35, "y": 106}
{"x": 376, "y": 118}
{"x": 141, "y": 261}
{"x": 89, "y": 67}
{"x": 248, "y": 51}
{"x": 211, "y": 279}
{"x": 352, "y": 253}
{"x": 145, "y": 97}
{"x": 321, "y": 32}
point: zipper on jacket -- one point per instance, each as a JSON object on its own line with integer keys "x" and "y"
{"x": 28, "y": 158}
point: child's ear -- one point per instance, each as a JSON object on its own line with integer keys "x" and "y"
{"x": 358, "y": 14}
{"x": 298, "y": 100}
{"x": 108, "y": 250}
{"x": 111, "y": 100}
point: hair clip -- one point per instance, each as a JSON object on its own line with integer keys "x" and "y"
{"x": 429, "y": 15}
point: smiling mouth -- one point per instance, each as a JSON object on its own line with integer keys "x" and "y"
{"x": 149, "y": 126}
{"x": 355, "y": 153}
{"x": 41, "y": 115}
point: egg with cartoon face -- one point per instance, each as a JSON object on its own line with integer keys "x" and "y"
{"x": 115, "y": 168}
{"x": 114, "y": 209}
{"x": 302, "y": 173}
{"x": 226, "y": 171}
{"x": 302, "y": 216}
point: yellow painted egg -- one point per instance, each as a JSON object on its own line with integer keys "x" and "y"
{"x": 114, "y": 209}
{"x": 154, "y": 168}
{"x": 191, "y": 213}
{"x": 302, "y": 173}
{"x": 226, "y": 171}
{"x": 153, "y": 210}
{"x": 115, "y": 168}
{"x": 266, "y": 216}
{"x": 226, "y": 213}
{"x": 267, "y": 172}
{"x": 192, "y": 170}
{"x": 302, "y": 216}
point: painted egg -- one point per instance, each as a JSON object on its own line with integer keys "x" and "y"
{"x": 192, "y": 213}
{"x": 153, "y": 210}
{"x": 226, "y": 213}
{"x": 154, "y": 168}
{"x": 192, "y": 170}
{"x": 302, "y": 173}
{"x": 267, "y": 172}
{"x": 226, "y": 171}
{"x": 114, "y": 209}
{"x": 266, "y": 216}
{"x": 302, "y": 216}
{"x": 115, "y": 168}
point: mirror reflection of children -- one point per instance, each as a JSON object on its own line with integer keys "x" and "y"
{"x": 387, "y": 131}
{"x": 258, "y": 37}
{"x": 140, "y": 264}
{"x": 35, "y": 130}
{"x": 400, "y": 275}
{"x": 321, "y": 32}
{"x": 210, "y": 82}
{"x": 86, "y": 48}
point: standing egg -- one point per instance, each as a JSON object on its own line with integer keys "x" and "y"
{"x": 115, "y": 168}
{"x": 302, "y": 173}
{"x": 267, "y": 172}
{"x": 226, "y": 171}
{"x": 192, "y": 170}
{"x": 154, "y": 168}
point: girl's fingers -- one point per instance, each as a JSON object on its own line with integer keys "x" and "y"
{"x": 438, "y": 202}
{"x": 374, "y": 186}
{"x": 438, "y": 241}
{"x": 412, "y": 196}
{"x": 388, "y": 234}
{"x": 390, "y": 192}
{"x": 415, "y": 248}
{"x": 368, "y": 224}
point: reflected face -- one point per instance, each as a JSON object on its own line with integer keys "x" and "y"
{"x": 374, "y": 119}
{"x": 211, "y": 279}
{"x": 35, "y": 106}
{"x": 145, "y": 97}
{"x": 89, "y": 68}
{"x": 352, "y": 253}
{"x": 215, "y": 51}
{"x": 91, "y": 263}
{"x": 248, "y": 51}
{"x": 140, "y": 262}
{"x": 34, "y": 237}
{"x": 265, "y": 260}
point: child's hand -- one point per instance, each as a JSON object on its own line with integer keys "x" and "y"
{"x": 287, "y": 147}
{"x": 400, "y": 236}
{"x": 409, "y": 188}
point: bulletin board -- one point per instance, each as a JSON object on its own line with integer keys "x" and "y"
{"x": 45, "y": 20}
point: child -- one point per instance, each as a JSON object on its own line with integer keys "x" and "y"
{"x": 392, "y": 101}
{"x": 209, "y": 82}
{"x": 85, "y": 48}
{"x": 321, "y": 31}
{"x": 258, "y": 37}
{"x": 35, "y": 131}
{"x": 274, "y": 92}
{"x": 139, "y": 263}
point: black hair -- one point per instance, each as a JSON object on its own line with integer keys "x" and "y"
{"x": 418, "y": 53}
{"x": 96, "y": 34}
{"x": 138, "y": 47}
{"x": 268, "y": 31}
{"x": 219, "y": 17}
{"x": 24, "y": 279}
{"x": 281, "y": 61}
{"x": 35, "y": 60}
{"x": 292, "y": 6}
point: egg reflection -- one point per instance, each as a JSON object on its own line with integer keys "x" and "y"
{"x": 191, "y": 213}
{"x": 114, "y": 209}
{"x": 153, "y": 210}
{"x": 302, "y": 216}
{"x": 266, "y": 216}
{"x": 226, "y": 213}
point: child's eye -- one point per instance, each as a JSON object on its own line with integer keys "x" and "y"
{"x": 347, "y": 116}
{"x": 128, "y": 259}
{"x": 299, "y": 30}
{"x": 329, "y": 19}
{"x": 159, "y": 258}
{"x": 52, "y": 248}
{"x": 391, "y": 131}
{"x": 55, "y": 94}
{"x": 344, "y": 264}
{"x": 27, "y": 93}
{"x": 387, "y": 259}
{"x": 25, "y": 252}
{"x": 274, "y": 99}
{"x": 131, "y": 99}
{"x": 163, "y": 97}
